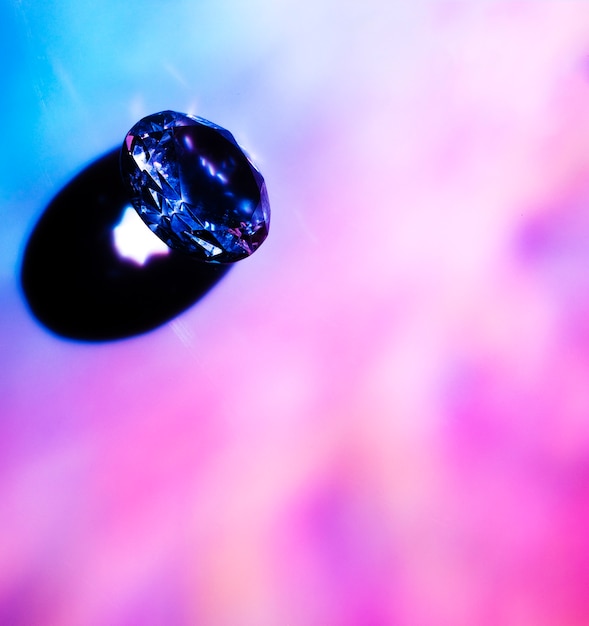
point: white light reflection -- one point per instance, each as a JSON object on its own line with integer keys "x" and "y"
{"x": 134, "y": 241}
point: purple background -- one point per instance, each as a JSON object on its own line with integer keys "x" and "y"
{"x": 382, "y": 417}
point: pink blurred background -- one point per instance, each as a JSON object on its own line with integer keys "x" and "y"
{"x": 382, "y": 417}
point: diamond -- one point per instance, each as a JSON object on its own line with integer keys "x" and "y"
{"x": 194, "y": 187}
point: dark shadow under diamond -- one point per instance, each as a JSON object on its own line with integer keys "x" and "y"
{"x": 78, "y": 286}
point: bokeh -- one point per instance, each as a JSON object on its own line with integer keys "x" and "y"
{"x": 380, "y": 418}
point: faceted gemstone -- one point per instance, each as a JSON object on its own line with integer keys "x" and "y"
{"x": 194, "y": 187}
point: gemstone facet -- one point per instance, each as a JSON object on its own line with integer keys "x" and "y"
{"x": 194, "y": 187}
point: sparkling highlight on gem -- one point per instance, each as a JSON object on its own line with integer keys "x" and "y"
{"x": 194, "y": 187}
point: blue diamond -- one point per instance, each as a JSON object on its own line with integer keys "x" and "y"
{"x": 194, "y": 187}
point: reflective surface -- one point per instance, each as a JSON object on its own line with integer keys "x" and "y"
{"x": 380, "y": 417}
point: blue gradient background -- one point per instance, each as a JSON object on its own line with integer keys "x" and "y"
{"x": 382, "y": 417}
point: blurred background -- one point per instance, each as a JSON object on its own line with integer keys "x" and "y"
{"x": 382, "y": 417}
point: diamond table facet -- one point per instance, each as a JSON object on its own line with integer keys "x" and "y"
{"x": 195, "y": 187}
